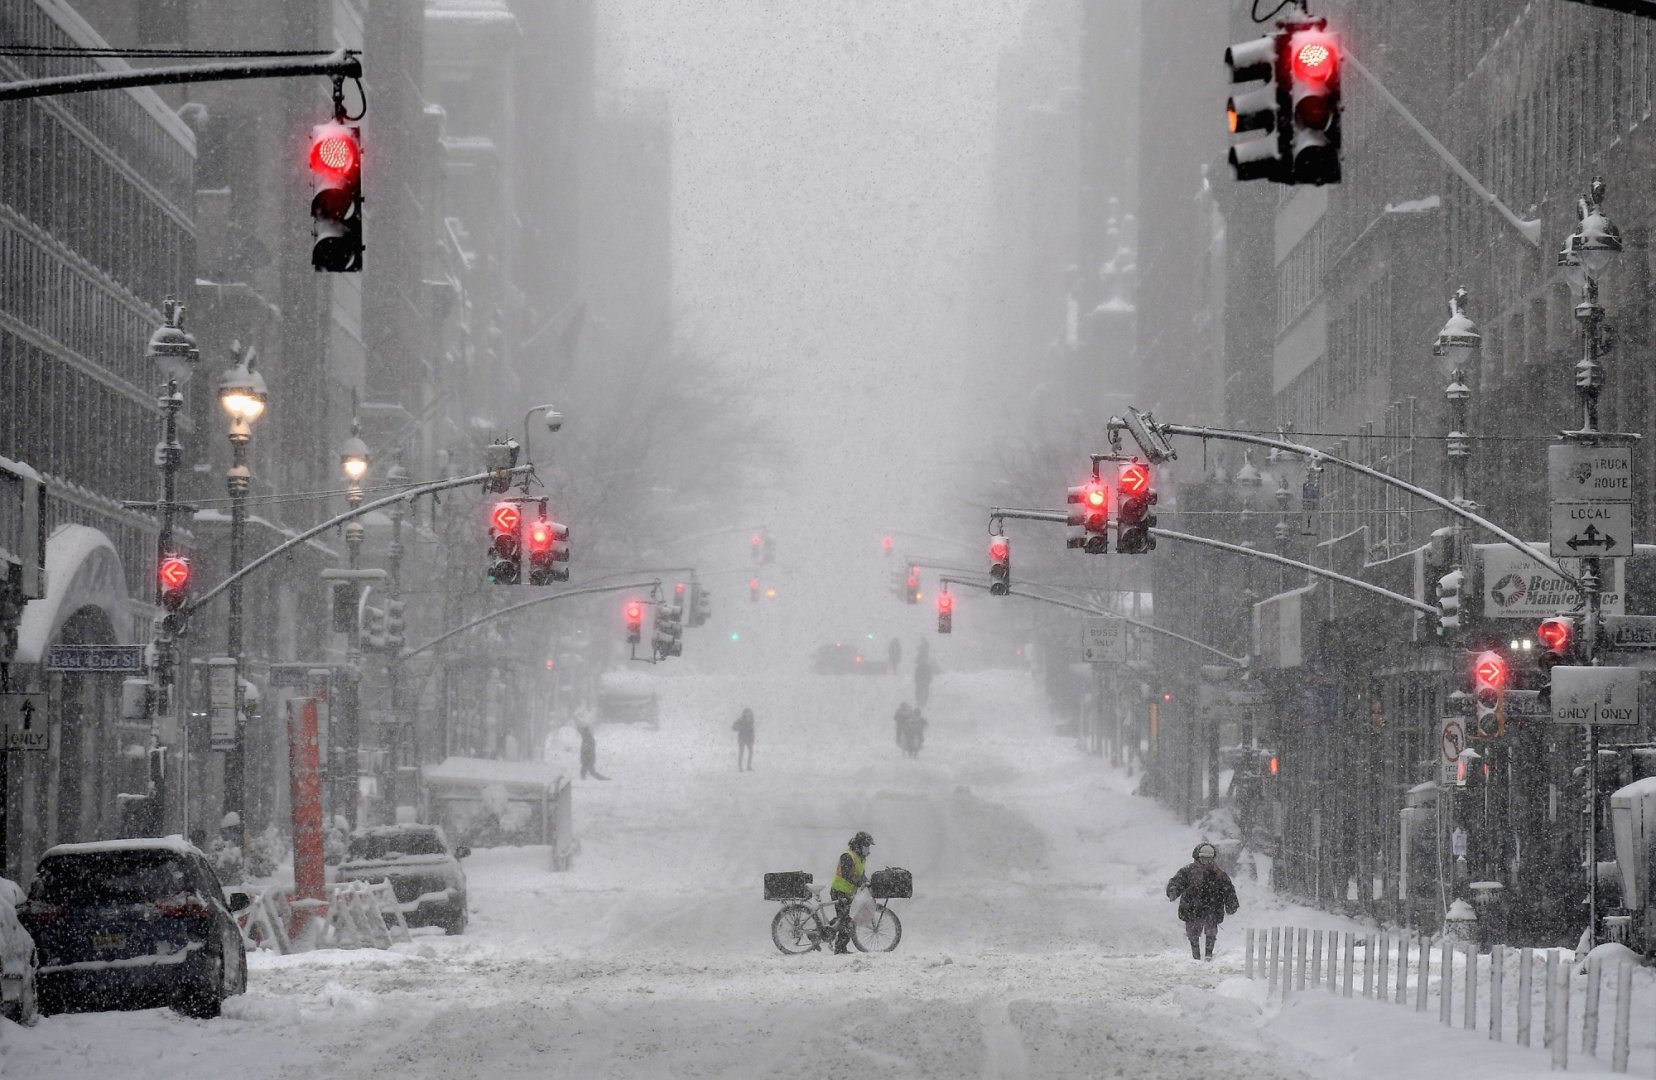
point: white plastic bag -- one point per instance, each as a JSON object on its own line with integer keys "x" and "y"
{"x": 863, "y": 909}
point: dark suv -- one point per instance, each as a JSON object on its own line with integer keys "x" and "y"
{"x": 424, "y": 872}
{"x": 131, "y": 924}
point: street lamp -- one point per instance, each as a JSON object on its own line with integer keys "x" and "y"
{"x": 243, "y": 395}
{"x": 354, "y": 460}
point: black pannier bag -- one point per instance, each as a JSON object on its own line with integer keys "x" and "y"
{"x": 790, "y": 885}
{"x": 892, "y": 883}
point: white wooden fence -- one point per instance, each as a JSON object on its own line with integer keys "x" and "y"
{"x": 1493, "y": 988}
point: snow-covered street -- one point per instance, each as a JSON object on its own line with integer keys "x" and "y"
{"x": 1038, "y": 943}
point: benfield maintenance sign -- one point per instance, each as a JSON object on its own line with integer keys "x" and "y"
{"x": 1517, "y": 587}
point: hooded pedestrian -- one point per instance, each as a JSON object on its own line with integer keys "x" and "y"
{"x": 1205, "y": 895}
{"x": 589, "y": 753}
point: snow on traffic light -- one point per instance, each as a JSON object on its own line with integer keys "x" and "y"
{"x": 1000, "y": 565}
{"x": 505, "y": 543}
{"x": 1134, "y": 498}
{"x": 1091, "y": 517}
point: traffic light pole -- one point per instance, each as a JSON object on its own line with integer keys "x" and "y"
{"x": 343, "y": 63}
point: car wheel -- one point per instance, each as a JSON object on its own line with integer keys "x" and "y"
{"x": 235, "y": 973}
{"x": 456, "y": 922}
{"x": 202, "y": 1001}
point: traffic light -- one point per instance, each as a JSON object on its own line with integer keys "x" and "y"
{"x": 1092, "y": 514}
{"x": 372, "y": 631}
{"x": 634, "y": 612}
{"x": 1258, "y": 157}
{"x": 1134, "y": 498}
{"x": 505, "y": 544}
{"x": 668, "y": 639}
{"x": 767, "y": 549}
{"x": 701, "y": 607}
{"x": 395, "y": 624}
{"x": 757, "y": 545}
{"x": 1557, "y": 637}
{"x": 911, "y": 594}
{"x": 945, "y": 613}
{"x": 1489, "y": 680}
{"x": 1449, "y": 602}
{"x": 346, "y": 596}
{"x": 546, "y": 550}
{"x": 174, "y": 576}
{"x": 1313, "y": 65}
{"x": 887, "y": 544}
{"x": 1000, "y": 565}
{"x": 336, "y": 204}
{"x": 753, "y": 589}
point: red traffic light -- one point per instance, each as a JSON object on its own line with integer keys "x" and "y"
{"x": 945, "y": 603}
{"x": 1095, "y": 495}
{"x": 1135, "y": 478}
{"x": 540, "y": 538}
{"x": 635, "y": 611}
{"x": 998, "y": 550}
{"x": 678, "y": 590}
{"x": 334, "y": 150}
{"x": 1490, "y": 670}
{"x": 885, "y": 542}
{"x": 1555, "y": 634}
{"x": 1314, "y": 57}
{"x": 1274, "y": 765}
{"x": 506, "y": 517}
{"x": 174, "y": 572}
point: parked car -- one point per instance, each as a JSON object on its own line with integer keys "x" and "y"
{"x": 423, "y": 869}
{"x": 131, "y": 924}
{"x": 628, "y": 697}
{"x": 17, "y": 959}
{"x": 842, "y": 659}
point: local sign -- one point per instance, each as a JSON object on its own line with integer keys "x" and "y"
{"x": 1604, "y": 696}
{"x": 23, "y": 723}
{"x": 1104, "y": 641}
{"x": 1592, "y": 500}
{"x": 117, "y": 658}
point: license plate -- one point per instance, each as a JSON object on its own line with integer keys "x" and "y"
{"x": 108, "y": 941}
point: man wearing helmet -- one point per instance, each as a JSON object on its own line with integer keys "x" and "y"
{"x": 849, "y": 875}
{"x": 1205, "y": 895}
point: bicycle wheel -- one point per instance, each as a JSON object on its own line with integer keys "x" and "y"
{"x": 791, "y": 929}
{"x": 881, "y": 935}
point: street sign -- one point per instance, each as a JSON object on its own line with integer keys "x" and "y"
{"x": 222, "y": 702}
{"x": 1517, "y": 587}
{"x": 1604, "y": 530}
{"x": 1589, "y": 474}
{"x": 116, "y": 658}
{"x": 1605, "y": 696}
{"x": 1219, "y": 703}
{"x": 1452, "y": 738}
{"x": 1103, "y": 641}
{"x": 23, "y": 723}
{"x": 1630, "y": 631}
{"x": 1525, "y": 705}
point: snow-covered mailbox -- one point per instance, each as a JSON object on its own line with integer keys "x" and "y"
{"x": 485, "y": 803}
{"x": 1633, "y": 822}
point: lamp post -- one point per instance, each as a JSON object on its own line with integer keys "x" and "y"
{"x": 243, "y": 395}
{"x": 396, "y": 728}
{"x": 174, "y": 353}
{"x": 1456, "y": 349}
{"x": 1588, "y": 254}
{"x": 354, "y": 462}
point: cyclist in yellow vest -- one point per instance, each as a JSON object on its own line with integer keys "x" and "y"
{"x": 849, "y": 876}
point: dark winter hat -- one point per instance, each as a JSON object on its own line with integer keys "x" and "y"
{"x": 1204, "y": 850}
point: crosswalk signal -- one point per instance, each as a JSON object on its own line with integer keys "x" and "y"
{"x": 1000, "y": 565}
{"x": 1257, "y": 109}
{"x": 336, "y": 202}
{"x": 1134, "y": 498}
{"x": 1090, "y": 520}
{"x": 945, "y": 613}
{"x": 1314, "y": 106}
{"x": 1489, "y": 680}
{"x": 505, "y": 544}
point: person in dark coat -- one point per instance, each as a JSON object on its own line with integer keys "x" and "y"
{"x": 744, "y": 740}
{"x": 589, "y": 753}
{"x": 1205, "y": 895}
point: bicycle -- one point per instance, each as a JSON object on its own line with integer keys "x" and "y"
{"x": 800, "y": 928}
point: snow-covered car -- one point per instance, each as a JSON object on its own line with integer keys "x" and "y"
{"x": 628, "y": 697}
{"x": 130, "y": 924}
{"x": 17, "y": 958}
{"x": 423, "y": 869}
{"x": 842, "y": 659}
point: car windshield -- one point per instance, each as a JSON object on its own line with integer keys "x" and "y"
{"x": 391, "y": 845}
{"x": 91, "y": 879}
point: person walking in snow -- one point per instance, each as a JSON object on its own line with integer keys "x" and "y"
{"x": 850, "y": 874}
{"x": 744, "y": 740}
{"x": 589, "y": 753}
{"x": 1205, "y": 895}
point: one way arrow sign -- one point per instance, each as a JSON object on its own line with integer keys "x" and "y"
{"x": 24, "y": 721}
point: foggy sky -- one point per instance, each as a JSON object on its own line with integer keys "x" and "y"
{"x": 831, "y": 192}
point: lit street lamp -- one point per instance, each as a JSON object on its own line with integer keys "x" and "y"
{"x": 243, "y": 395}
{"x": 354, "y": 460}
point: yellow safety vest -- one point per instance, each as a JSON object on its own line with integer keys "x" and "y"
{"x": 840, "y": 885}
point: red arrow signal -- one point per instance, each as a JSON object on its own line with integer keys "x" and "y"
{"x": 175, "y": 572}
{"x": 1135, "y": 478}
